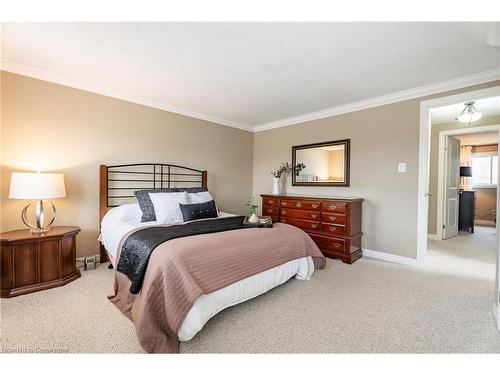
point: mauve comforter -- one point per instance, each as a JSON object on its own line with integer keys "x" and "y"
{"x": 182, "y": 269}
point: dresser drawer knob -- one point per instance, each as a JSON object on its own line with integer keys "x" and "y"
{"x": 337, "y": 245}
{"x": 333, "y": 207}
{"x": 314, "y": 205}
{"x": 298, "y": 205}
{"x": 270, "y": 201}
{"x": 284, "y": 204}
{"x": 333, "y": 229}
{"x": 314, "y": 216}
{"x": 270, "y": 210}
{"x": 283, "y": 212}
{"x": 333, "y": 218}
{"x": 314, "y": 225}
{"x": 283, "y": 220}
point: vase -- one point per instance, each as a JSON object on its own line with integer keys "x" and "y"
{"x": 253, "y": 219}
{"x": 276, "y": 185}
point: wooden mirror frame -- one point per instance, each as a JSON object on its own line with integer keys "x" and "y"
{"x": 347, "y": 158}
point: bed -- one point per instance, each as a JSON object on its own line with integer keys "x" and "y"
{"x": 190, "y": 270}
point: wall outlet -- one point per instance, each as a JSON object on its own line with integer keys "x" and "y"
{"x": 401, "y": 167}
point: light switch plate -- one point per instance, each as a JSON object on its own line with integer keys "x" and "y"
{"x": 402, "y": 167}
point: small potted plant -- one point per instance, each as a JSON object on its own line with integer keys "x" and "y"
{"x": 253, "y": 218}
{"x": 284, "y": 169}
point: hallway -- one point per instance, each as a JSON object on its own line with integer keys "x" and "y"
{"x": 468, "y": 254}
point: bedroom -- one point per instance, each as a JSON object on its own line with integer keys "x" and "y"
{"x": 239, "y": 120}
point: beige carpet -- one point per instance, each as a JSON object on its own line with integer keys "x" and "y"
{"x": 468, "y": 254}
{"x": 370, "y": 306}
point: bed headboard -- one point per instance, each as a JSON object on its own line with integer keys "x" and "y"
{"x": 117, "y": 183}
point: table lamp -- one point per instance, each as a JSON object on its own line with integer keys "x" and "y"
{"x": 465, "y": 171}
{"x": 37, "y": 187}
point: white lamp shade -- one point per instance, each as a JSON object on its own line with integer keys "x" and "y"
{"x": 469, "y": 117}
{"x": 36, "y": 185}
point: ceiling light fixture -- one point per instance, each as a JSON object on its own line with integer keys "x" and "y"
{"x": 469, "y": 113}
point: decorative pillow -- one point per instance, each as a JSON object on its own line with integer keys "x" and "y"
{"x": 166, "y": 206}
{"x": 201, "y": 197}
{"x": 148, "y": 212}
{"x": 197, "y": 211}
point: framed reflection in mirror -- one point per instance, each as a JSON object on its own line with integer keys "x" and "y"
{"x": 326, "y": 163}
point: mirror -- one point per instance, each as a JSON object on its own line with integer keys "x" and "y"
{"x": 326, "y": 164}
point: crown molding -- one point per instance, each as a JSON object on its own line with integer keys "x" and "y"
{"x": 97, "y": 88}
{"x": 45, "y": 75}
{"x": 418, "y": 92}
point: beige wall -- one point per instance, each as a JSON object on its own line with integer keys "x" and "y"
{"x": 433, "y": 160}
{"x": 337, "y": 165}
{"x": 78, "y": 131}
{"x": 486, "y": 202}
{"x": 57, "y": 128}
{"x": 380, "y": 138}
{"x": 486, "y": 199}
{"x": 316, "y": 162}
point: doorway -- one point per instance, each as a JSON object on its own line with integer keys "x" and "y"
{"x": 465, "y": 238}
{"x": 425, "y": 195}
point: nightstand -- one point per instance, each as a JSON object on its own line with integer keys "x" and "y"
{"x": 29, "y": 262}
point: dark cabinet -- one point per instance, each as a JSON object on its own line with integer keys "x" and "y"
{"x": 466, "y": 210}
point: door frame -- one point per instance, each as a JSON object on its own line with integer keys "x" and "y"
{"x": 441, "y": 165}
{"x": 423, "y": 178}
{"x": 423, "y": 158}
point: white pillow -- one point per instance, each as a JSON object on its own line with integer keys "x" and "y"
{"x": 201, "y": 197}
{"x": 166, "y": 205}
{"x": 129, "y": 212}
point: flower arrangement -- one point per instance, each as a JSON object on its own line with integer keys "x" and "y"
{"x": 286, "y": 168}
{"x": 251, "y": 204}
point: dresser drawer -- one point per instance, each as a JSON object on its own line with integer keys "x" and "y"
{"x": 274, "y": 202}
{"x": 299, "y": 204}
{"x": 333, "y": 230}
{"x": 332, "y": 218}
{"x": 302, "y": 224}
{"x": 300, "y": 214}
{"x": 334, "y": 206}
{"x": 270, "y": 211}
{"x": 337, "y": 245}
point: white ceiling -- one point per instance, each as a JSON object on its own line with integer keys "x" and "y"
{"x": 248, "y": 74}
{"x": 488, "y": 107}
{"x": 478, "y": 139}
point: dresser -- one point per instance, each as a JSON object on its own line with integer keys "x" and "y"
{"x": 466, "y": 210}
{"x": 31, "y": 262}
{"x": 333, "y": 223}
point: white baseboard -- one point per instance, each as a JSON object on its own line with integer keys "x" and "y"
{"x": 96, "y": 256}
{"x": 389, "y": 257}
{"x": 432, "y": 236}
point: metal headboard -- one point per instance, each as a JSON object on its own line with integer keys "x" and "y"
{"x": 117, "y": 183}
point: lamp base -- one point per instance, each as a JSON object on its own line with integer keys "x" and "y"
{"x": 39, "y": 230}
{"x": 40, "y": 226}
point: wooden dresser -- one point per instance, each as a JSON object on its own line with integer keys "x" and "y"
{"x": 30, "y": 262}
{"x": 333, "y": 223}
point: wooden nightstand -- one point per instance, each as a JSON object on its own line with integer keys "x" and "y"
{"x": 29, "y": 263}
